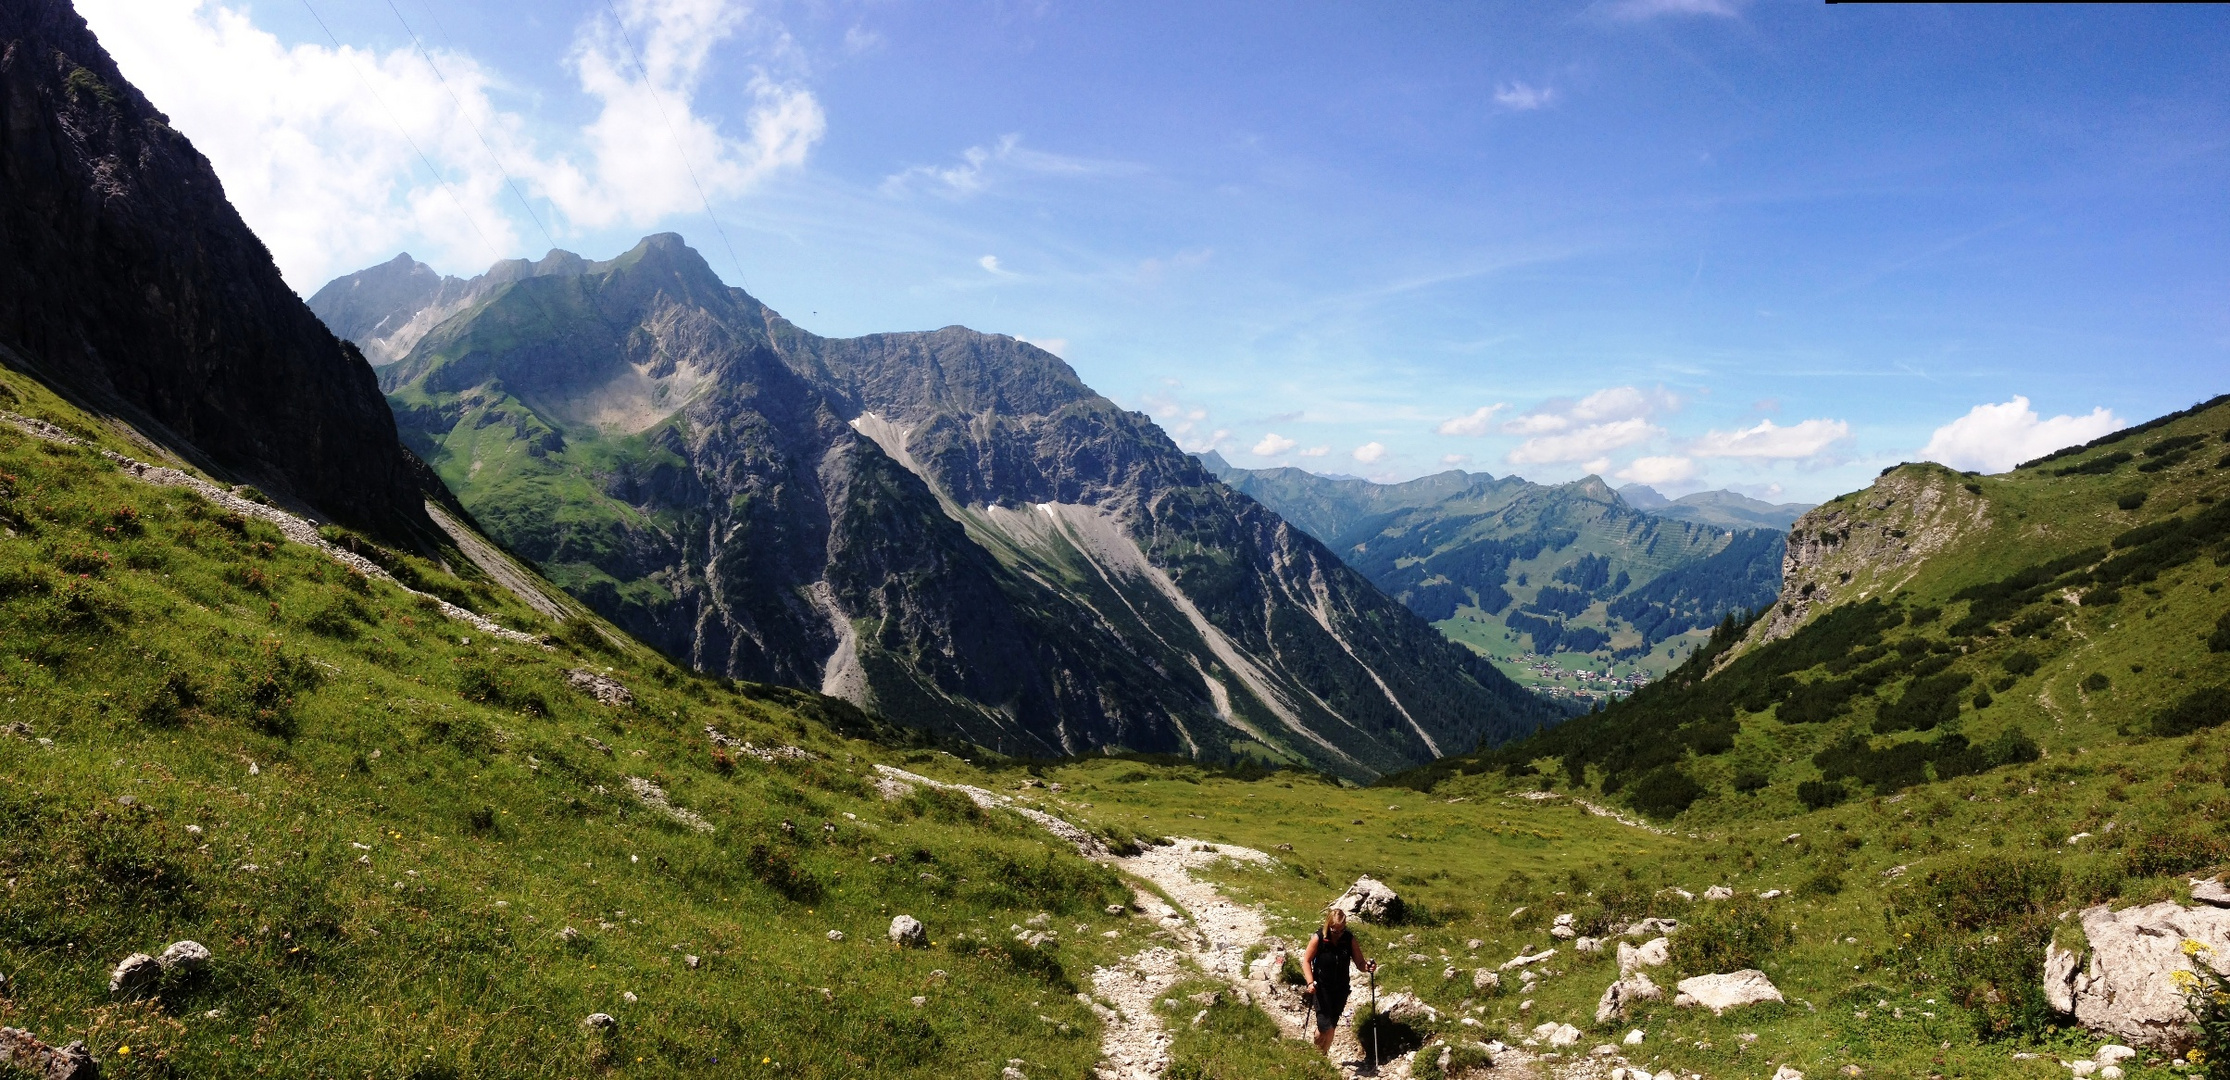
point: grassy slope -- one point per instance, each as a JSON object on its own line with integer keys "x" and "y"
{"x": 341, "y": 739}
{"x": 1917, "y": 911}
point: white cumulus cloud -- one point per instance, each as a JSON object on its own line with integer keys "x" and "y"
{"x": 1273, "y": 444}
{"x": 1316, "y": 451}
{"x": 306, "y": 139}
{"x": 1994, "y": 438}
{"x": 1475, "y": 424}
{"x": 1658, "y": 470}
{"x": 1584, "y": 444}
{"x": 1770, "y": 440}
{"x": 1370, "y": 452}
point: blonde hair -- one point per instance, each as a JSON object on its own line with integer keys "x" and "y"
{"x": 1332, "y": 915}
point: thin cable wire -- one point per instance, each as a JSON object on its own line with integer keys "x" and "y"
{"x": 393, "y": 119}
{"x": 679, "y": 149}
{"x": 467, "y": 115}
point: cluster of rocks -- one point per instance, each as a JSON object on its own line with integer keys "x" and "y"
{"x": 603, "y": 688}
{"x": 139, "y": 972}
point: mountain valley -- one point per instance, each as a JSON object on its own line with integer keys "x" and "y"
{"x": 1568, "y": 588}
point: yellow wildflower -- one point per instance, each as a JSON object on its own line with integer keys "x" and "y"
{"x": 2194, "y": 948}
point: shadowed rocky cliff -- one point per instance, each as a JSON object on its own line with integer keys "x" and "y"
{"x": 127, "y": 281}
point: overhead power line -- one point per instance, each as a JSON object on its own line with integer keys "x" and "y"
{"x": 679, "y": 148}
{"x": 467, "y": 115}
{"x": 404, "y": 132}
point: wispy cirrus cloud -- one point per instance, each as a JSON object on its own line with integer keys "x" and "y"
{"x": 1476, "y": 424}
{"x": 1767, "y": 439}
{"x": 982, "y": 168}
{"x": 1637, "y": 10}
{"x": 1524, "y": 97}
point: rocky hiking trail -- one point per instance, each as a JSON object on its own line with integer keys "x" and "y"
{"x": 1202, "y": 932}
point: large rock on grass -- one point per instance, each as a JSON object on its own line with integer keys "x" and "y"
{"x": 2124, "y": 982}
{"x": 1372, "y": 901}
{"x": 1652, "y": 953}
{"x": 134, "y": 974}
{"x": 1620, "y": 996}
{"x": 1731, "y": 990}
{"x": 907, "y": 932}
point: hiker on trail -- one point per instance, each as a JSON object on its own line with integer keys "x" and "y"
{"x": 1325, "y": 962}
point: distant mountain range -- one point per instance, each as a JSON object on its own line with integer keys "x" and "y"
{"x": 1509, "y": 566}
{"x": 948, "y": 526}
{"x": 1725, "y": 509}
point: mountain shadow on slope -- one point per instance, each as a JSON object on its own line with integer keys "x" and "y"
{"x": 130, "y": 284}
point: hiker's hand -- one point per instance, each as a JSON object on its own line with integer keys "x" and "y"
{"x": 1370, "y": 965}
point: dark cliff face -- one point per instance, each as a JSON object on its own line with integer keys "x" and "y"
{"x": 128, "y": 282}
{"x": 949, "y": 527}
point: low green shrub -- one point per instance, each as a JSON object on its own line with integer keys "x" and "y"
{"x": 1728, "y": 935}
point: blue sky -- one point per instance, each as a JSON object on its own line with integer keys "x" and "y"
{"x": 1704, "y": 243}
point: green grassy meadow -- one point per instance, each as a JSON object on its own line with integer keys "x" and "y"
{"x": 380, "y": 822}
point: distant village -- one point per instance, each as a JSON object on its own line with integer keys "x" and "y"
{"x": 1584, "y": 685}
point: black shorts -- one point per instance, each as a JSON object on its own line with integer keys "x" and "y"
{"x": 1329, "y": 1005}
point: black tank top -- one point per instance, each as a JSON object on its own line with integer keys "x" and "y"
{"x": 1332, "y": 958}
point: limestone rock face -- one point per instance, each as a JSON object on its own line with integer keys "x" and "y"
{"x": 1371, "y": 900}
{"x": 1728, "y": 991}
{"x": 1406, "y": 1008}
{"x": 2124, "y": 983}
{"x": 31, "y": 1057}
{"x": 947, "y": 526}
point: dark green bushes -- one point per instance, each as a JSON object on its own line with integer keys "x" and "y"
{"x": 1926, "y": 703}
{"x": 1664, "y": 792}
{"x": 2197, "y": 711}
{"x": 1821, "y": 794}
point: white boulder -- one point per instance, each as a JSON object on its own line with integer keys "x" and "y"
{"x": 1484, "y": 979}
{"x": 1370, "y": 900}
{"x": 907, "y": 932}
{"x": 1786, "y": 1073}
{"x": 1588, "y": 945}
{"x": 1727, "y": 991}
{"x": 2124, "y": 985}
{"x": 2113, "y": 1054}
{"x": 1718, "y": 892}
{"x": 184, "y": 958}
{"x": 1652, "y": 953}
{"x": 1621, "y": 994}
{"x": 1406, "y": 1008}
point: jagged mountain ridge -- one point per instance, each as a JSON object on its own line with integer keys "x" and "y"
{"x": 1574, "y": 568}
{"x": 947, "y": 526}
{"x": 131, "y": 285}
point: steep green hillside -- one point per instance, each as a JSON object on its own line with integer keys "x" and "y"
{"x": 1938, "y": 624}
{"x": 384, "y": 820}
{"x": 1567, "y": 588}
